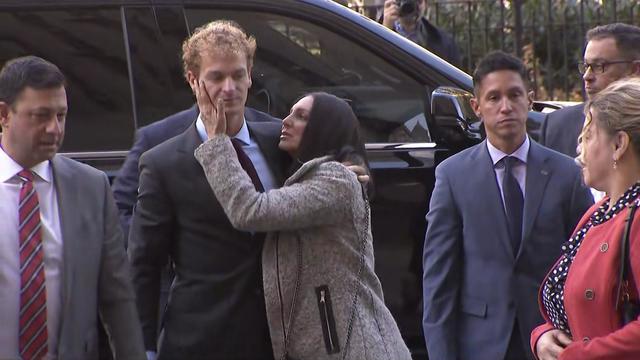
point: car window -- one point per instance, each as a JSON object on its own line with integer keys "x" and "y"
{"x": 295, "y": 57}
{"x": 155, "y": 42}
{"x": 88, "y": 46}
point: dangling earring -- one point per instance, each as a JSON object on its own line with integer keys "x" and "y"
{"x": 615, "y": 164}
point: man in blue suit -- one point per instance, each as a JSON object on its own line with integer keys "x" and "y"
{"x": 498, "y": 216}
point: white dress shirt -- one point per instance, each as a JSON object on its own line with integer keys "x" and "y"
{"x": 10, "y": 259}
{"x": 519, "y": 170}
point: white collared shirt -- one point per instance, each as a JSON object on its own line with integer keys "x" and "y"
{"x": 519, "y": 171}
{"x": 252, "y": 150}
{"x": 10, "y": 259}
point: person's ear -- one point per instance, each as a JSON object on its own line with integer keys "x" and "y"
{"x": 530, "y": 97}
{"x": 475, "y": 105}
{"x": 4, "y": 114}
{"x": 192, "y": 79}
{"x": 621, "y": 142}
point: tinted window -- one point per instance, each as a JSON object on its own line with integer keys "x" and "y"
{"x": 155, "y": 38}
{"x": 87, "y": 44}
{"x": 296, "y": 57}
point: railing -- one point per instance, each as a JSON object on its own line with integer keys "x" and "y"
{"x": 547, "y": 34}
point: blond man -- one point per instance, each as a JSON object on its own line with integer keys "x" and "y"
{"x": 216, "y": 306}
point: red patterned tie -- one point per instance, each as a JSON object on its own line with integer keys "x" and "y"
{"x": 33, "y": 335}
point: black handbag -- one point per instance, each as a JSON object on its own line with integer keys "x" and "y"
{"x": 629, "y": 309}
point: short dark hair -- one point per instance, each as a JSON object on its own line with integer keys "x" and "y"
{"x": 627, "y": 38}
{"x": 496, "y": 61}
{"x": 28, "y": 71}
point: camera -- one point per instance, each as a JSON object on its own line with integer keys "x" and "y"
{"x": 406, "y": 7}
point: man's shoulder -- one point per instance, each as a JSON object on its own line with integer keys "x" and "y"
{"x": 76, "y": 170}
{"x": 459, "y": 161}
{"x": 172, "y": 125}
{"x": 253, "y": 115}
{"x": 435, "y": 31}
{"x": 165, "y": 149}
{"x": 569, "y": 112}
{"x": 557, "y": 160}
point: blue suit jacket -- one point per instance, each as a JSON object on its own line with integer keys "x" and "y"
{"x": 474, "y": 284}
{"x": 560, "y": 129}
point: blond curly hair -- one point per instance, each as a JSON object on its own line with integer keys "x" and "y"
{"x": 220, "y": 37}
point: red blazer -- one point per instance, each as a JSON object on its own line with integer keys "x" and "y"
{"x": 590, "y": 294}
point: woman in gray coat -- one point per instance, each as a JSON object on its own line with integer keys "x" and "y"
{"x": 323, "y": 298}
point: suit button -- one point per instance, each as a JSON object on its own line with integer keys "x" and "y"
{"x": 586, "y": 339}
{"x": 589, "y": 294}
{"x": 604, "y": 247}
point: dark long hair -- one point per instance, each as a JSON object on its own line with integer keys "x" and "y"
{"x": 332, "y": 129}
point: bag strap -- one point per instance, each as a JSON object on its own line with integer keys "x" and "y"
{"x": 287, "y": 335}
{"x": 363, "y": 239}
{"x": 624, "y": 249}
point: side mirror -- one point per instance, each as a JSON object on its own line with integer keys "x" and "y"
{"x": 454, "y": 121}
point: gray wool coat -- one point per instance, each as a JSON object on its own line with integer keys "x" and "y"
{"x": 319, "y": 241}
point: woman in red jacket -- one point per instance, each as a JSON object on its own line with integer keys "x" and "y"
{"x": 578, "y": 298}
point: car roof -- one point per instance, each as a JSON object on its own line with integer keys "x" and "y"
{"x": 360, "y": 25}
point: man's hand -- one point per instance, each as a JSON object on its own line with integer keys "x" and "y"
{"x": 212, "y": 115}
{"x": 360, "y": 172}
{"x": 551, "y": 344}
{"x": 391, "y": 14}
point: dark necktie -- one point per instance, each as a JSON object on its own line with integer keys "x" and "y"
{"x": 247, "y": 165}
{"x": 32, "y": 336}
{"x": 513, "y": 202}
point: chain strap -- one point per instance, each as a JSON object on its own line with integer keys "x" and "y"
{"x": 365, "y": 231}
{"x": 285, "y": 353}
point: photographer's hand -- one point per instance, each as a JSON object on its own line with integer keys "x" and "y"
{"x": 391, "y": 14}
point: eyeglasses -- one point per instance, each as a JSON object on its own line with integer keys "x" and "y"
{"x": 599, "y": 68}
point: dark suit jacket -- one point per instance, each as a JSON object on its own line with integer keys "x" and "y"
{"x": 560, "y": 129}
{"x": 125, "y": 185}
{"x": 216, "y": 306}
{"x": 474, "y": 285}
{"x": 95, "y": 274}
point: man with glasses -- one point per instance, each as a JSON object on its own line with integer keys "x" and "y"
{"x": 612, "y": 53}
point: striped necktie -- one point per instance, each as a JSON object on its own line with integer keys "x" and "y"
{"x": 32, "y": 336}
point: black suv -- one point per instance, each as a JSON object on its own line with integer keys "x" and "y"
{"x": 122, "y": 61}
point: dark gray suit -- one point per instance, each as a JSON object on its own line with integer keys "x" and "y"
{"x": 95, "y": 275}
{"x": 216, "y": 306}
{"x": 125, "y": 185}
{"x": 474, "y": 284}
{"x": 561, "y": 128}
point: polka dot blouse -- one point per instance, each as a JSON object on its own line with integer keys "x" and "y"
{"x": 553, "y": 287}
